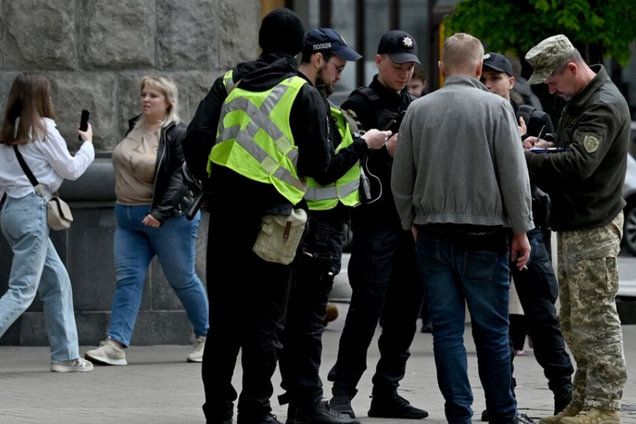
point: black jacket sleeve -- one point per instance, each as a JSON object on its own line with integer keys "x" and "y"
{"x": 170, "y": 188}
{"x": 308, "y": 122}
{"x": 342, "y": 162}
{"x": 201, "y": 134}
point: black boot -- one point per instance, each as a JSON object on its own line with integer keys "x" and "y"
{"x": 342, "y": 404}
{"x": 322, "y": 414}
{"x": 394, "y": 406}
{"x": 561, "y": 400}
{"x": 268, "y": 418}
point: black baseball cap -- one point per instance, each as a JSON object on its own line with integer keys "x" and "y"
{"x": 326, "y": 39}
{"x": 497, "y": 62}
{"x": 399, "y": 46}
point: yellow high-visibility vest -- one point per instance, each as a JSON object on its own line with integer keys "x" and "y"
{"x": 254, "y": 137}
{"x": 345, "y": 189}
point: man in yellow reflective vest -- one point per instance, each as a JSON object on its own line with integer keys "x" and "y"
{"x": 329, "y": 197}
{"x": 269, "y": 132}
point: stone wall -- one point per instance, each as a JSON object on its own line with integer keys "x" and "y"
{"x": 95, "y": 53}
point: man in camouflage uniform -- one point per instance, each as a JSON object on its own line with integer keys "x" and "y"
{"x": 584, "y": 177}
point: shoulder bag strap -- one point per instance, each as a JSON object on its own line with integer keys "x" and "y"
{"x": 25, "y": 167}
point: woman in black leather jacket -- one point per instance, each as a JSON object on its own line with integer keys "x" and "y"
{"x": 150, "y": 210}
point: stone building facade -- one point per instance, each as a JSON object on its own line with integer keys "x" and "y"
{"x": 95, "y": 53}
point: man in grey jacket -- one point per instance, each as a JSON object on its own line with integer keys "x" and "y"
{"x": 459, "y": 181}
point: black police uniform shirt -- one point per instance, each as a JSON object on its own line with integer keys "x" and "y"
{"x": 378, "y": 163}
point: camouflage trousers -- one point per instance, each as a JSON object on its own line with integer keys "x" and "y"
{"x": 588, "y": 282}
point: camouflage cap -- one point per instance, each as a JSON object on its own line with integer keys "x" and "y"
{"x": 546, "y": 56}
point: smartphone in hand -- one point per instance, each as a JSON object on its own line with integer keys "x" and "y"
{"x": 83, "y": 122}
{"x": 388, "y": 126}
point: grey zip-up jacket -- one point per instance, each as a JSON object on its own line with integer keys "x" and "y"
{"x": 459, "y": 160}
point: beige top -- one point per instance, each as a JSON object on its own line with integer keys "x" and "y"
{"x": 134, "y": 160}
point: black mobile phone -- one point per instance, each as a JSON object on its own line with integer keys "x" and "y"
{"x": 83, "y": 122}
{"x": 388, "y": 126}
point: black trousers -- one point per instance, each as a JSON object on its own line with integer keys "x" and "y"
{"x": 248, "y": 297}
{"x": 538, "y": 290}
{"x": 302, "y": 338}
{"x": 382, "y": 274}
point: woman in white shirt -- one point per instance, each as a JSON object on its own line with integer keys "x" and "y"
{"x": 36, "y": 266}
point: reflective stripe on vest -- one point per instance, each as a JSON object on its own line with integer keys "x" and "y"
{"x": 345, "y": 189}
{"x": 243, "y": 123}
{"x": 228, "y": 81}
{"x": 325, "y": 193}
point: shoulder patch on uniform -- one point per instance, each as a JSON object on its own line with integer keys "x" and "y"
{"x": 591, "y": 143}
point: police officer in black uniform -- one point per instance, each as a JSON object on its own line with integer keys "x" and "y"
{"x": 382, "y": 269}
{"x": 536, "y": 286}
{"x": 324, "y": 57}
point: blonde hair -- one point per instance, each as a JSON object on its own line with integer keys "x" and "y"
{"x": 168, "y": 88}
{"x": 461, "y": 52}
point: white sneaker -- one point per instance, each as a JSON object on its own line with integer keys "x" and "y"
{"x": 74, "y": 365}
{"x": 197, "y": 353}
{"x": 107, "y": 354}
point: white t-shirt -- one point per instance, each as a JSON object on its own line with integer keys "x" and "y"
{"x": 48, "y": 159}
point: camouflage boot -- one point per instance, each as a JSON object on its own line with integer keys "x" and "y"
{"x": 594, "y": 416}
{"x": 570, "y": 411}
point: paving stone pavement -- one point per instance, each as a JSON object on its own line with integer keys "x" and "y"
{"x": 158, "y": 386}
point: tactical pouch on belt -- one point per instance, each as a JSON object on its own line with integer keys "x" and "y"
{"x": 280, "y": 236}
{"x": 541, "y": 208}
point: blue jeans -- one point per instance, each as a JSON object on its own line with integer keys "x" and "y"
{"x": 135, "y": 246}
{"x": 453, "y": 277}
{"x": 36, "y": 267}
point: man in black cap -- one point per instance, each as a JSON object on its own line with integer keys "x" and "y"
{"x": 272, "y": 133}
{"x": 329, "y": 197}
{"x": 537, "y": 285}
{"x": 382, "y": 268}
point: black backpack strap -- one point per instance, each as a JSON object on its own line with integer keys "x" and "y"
{"x": 25, "y": 167}
{"x": 372, "y": 98}
{"x": 526, "y": 111}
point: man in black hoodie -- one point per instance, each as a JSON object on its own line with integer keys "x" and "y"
{"x": 247, "y": 294}
{"x": 329, "y": 197}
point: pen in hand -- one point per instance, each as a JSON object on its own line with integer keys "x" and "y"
{"x": 540, "y": 134}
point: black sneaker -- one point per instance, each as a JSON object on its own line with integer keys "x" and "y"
{"x": 342, "y": 404}
{"x": 394, "y": 406}
{"x": 485, "y": 416}
{"x": 323, "y": 414}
